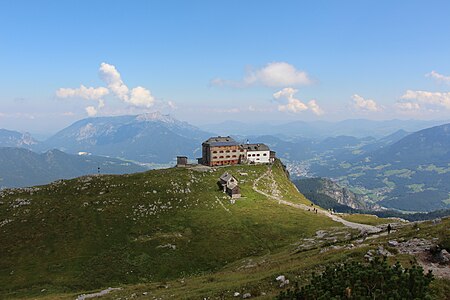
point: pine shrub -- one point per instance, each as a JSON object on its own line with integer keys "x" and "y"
{"x": 376, "y": 280}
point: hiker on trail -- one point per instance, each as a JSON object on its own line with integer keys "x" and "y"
{"x": 389, "y": 228}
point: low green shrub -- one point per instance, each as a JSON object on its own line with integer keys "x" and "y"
{"x": 376, "y": 280}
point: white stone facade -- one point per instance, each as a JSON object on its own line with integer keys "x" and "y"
{"x": 258, "y": 157}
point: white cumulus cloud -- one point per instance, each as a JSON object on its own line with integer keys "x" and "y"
{"x": 91, "y": 111}
{"x": 109, "y": 74}
{"x": 275, "y": 74}
{"x": 315, "y": 108}
{"x": 138, "y": 96}
{"x": 365, "y": 105}
{"x": 407, "y": 106}
{"x": 434, "y": 99}
{"x": 439, "y": 77}
{"x": 289, "y": 103}
{"x": 88, "y": 93}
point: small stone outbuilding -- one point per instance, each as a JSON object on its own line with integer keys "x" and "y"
{"x": 182, "y": 161}
{"x": 230, "y": 185}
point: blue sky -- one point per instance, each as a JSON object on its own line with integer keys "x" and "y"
{"x": 209, "y": 61}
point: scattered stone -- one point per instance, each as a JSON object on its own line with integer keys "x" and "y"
{"x": 236, "y": 294}
{"x": 170, "y": 246}
{"x": 4, "y": 222}
{"x": 368, "y": 256}
{"x": 99, "y": 294}
{"x": 443, "y": 257}
{"x": 20, "y": 202}
{"x": 414, "y": 246}
{"x": 282, "y": 280}
{"x": 382, "y": 251}
{"x": 437, "y": 221}
{"x": 393, "y": 243}
{"x": 246, "y": 296}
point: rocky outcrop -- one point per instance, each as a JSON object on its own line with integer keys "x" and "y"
{"x": 342, "y": 195}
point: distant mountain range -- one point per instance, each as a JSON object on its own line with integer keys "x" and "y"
{"x": 148, "y": 138}
{"x": 412, "y": 173}
{"x": 321, "y": 129}
{"x": 21, "y": 167}
{"x": 431, "y": 145}
{"x": 9, "y": 138}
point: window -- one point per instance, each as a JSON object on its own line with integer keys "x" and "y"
{"x": 234, "y": 155}
{"x": 257, "y": 154}
{"x": 214, "y": 151}
{"x": 221, "y": 157}
{"x": 265, "y": 154}
{"x": 214, "y": 157}
{"x": 228, "y": 151}
{"x": 221, "y": 151}
{"x": 234, "y": 150}
{"x": 228, "y": 156}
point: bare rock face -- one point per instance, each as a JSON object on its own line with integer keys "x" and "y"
{"x": 381, "y": 251}
{"x": 392, "y": 243}
{"x": 442, "y": 257}
{"x": 342, "y": 195}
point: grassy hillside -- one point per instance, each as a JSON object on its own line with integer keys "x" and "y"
{"x": 368, "y": 219}
{"x": 21, "y": 167}
{"x": 256, "y": 274}
{"x": 100, "y": 231}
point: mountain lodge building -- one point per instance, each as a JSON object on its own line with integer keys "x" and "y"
{"x": 221, "y": 151}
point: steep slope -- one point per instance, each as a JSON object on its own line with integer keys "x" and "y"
{"x": 150, "y": 138}
{"x": 21, "y": 167}
{"x": 385, "y": 141}
{"x": 328, "y": 194}
{"x": 431, "y": 145}
{"x": 98, "y": 231}
{"x": 9, "y": 138}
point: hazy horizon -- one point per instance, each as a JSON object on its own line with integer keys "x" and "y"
{"x": 39, "y": 135}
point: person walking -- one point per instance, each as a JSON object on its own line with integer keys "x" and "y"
{"x": 389, "y": 228}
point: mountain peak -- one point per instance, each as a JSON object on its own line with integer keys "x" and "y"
{"x": 155, "y": 116}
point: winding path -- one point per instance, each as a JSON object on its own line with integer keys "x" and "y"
{"x": 362, "y": 227}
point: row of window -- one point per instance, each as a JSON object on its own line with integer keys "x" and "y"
{"x": 226, "y": 162}
{"x": 222, "y": 151}
{"x": 265, "y": 154}
{"x": 228, "y": 156}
